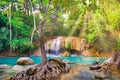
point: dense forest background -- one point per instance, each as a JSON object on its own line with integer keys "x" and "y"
{"x": 96, "y": 20}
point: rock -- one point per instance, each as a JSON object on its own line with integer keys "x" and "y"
{"x": 111, "y": 65}
{"x": 25, "y": 61}
{"x": 100, "y": 75}
{"x": 18, "y": 68}
{"x": 95, "y": 66}
{"x": 21, "y": 68}
{"x": 56, "y": 61}
{"x": 96, "y": 63}
{"x": 66, "y": 54}
{"x": 68, "y": 62}
{"x": 4, "y": 66}
{"x": 108, "y": 60}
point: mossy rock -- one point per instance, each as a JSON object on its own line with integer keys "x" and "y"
{"x": 57, "y": 61}
{"x": 25, "y": 61}
{"x": 67, "y": 43}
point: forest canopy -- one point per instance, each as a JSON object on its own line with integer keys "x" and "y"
{"x": 96, "y": 20}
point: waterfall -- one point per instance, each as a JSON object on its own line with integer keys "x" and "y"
{"x": 58, "y": 46}
{"x": 54, "y": 46}
{"x": 63, "y": 44}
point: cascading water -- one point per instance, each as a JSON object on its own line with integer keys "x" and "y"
{"x": 57, "y": 46}
{"x": 65, "y": 46}
{"x": 54, "y": 46}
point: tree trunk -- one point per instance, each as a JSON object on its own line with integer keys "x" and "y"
{"x": 10, "y": 27}
{"x": 41, "y": 39}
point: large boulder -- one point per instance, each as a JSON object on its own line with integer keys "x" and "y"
{"x": 25, "y": 61}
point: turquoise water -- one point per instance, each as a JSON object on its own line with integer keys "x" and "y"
{"x": 78, "y": 59}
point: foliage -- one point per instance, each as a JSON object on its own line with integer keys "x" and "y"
{"x": 96, "y": 20}
{"x": 23, "y": 44}
{"x": 118, "y": 44}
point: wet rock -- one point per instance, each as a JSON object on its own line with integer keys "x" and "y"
{"x": 4, "y": 66}
{"x": 95, "y": 66}
{"x": 111, "y": 65}
{"x": 68, "y": 62}
{"x": 108, "y": 60}
{"x": 18, "y": 68}
{"x": 25, "y": 61}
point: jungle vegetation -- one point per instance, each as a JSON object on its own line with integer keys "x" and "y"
{"x": 20, "y": 23}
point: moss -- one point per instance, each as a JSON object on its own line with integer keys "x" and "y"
{"x": 67, "y": 43}
{"x": 49, "y": 44}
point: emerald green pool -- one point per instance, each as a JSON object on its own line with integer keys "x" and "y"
{"x": 83, "y": 61}
{"x": 78, "y": 59}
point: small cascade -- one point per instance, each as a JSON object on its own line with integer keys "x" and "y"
{"x": 55, "y": 46}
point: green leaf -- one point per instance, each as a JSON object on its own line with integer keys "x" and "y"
{"x": 45, "y": 2}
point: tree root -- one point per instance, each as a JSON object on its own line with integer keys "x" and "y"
{"x": 41, "y": 72}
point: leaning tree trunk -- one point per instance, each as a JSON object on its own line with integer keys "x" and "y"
{"x": 41, "y": 42}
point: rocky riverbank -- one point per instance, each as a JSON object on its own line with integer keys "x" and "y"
{"x": 77, "y": 72}
{"x": 82, "y": 72}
